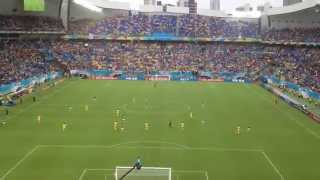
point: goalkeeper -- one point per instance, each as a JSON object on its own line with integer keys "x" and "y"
{"x": 138, "y": 163}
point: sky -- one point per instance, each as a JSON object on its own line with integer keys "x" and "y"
{"x": 226, "y": 5}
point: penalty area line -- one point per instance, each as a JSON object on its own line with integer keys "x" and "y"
{"x": 272, "y": 165}
{"x": 119, "y": 146}
{"x": 83, "y": 173}
{"x": 207, "y": 176}
{"x": 19, "y": 162}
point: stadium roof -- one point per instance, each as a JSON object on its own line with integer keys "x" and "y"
{"x": 314, "y": 5}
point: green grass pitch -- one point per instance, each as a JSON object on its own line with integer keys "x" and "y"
{"x": 283, "y": 143}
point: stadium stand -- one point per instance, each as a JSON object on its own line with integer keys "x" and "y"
{"x": 29, "y": 23}
{"x": 181, "y": 26}
{"x": 73, "y": 125}
{"x": 23, "y": 59}
{"x": 294, "y": 35}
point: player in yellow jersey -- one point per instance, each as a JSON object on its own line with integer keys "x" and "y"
{"x": 238, "y": 130}
{"x": 39, "y": 119}
{"x": 118, "y": 113}
{"x": 64, "y": 126}
{"x": 115, "y": 125}
{"x": 146, "y": 126}
{"x": 182, "y": 125}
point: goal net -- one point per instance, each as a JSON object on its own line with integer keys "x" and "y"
{"x": 145, "y": 173}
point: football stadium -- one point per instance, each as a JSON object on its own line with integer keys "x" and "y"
{"x": 159, "y": 90}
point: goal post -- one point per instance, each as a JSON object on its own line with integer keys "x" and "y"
{"x": 145, "y": 173}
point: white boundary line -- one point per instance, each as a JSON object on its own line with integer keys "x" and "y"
{"x": 310, "y": 131}
{"x": 100, "y": 169}
{"x": 153, "y": 168}
{"x": 272, "y": 165}
{"x": 188, "y": 171}
{"x": 83, "y": 173}
{"x": 118, "y": 146}
{"x": 56, "y": 91}
{"x": 207, "y": 176}
{"x": 129, "y": 167}
{"x": 203, "y": 172}
{"x": 157, "y": 142}
{"x": 19, "y": 162}
{"x": 224, "y": 149}
{"x": 182, "y": 147}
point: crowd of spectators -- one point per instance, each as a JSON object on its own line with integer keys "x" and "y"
{"x": 294, "y": 35}
{"x": 188, "y": 25}
{"x": 20, "y": 60}
{"x": 30, "y": 23}
{"x": 152, "y": 56}
{"x": 137, "y": 25}
{"x": 23, "y": 59}
{"x": 298, "y": 65}
{"x": 182, "y": 26}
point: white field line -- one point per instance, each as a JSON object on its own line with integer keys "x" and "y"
{"x": 19, "y": 162}
{"x": 143, "y": 168}
{"x": 225, "y": 149}
{"x": 116, "y": 175}
{"x": 157, "y": 142}
{"x": 100, "y": 169}
{"x": 180, "y": 146}
{"x": 205, "y": 173}
{"x": 154, "y": 147}
{"x": 272, "y": 165}
{"x": 83, "y": 173}
{"x": 38, "y": 102}
{"x": 106, "y": 176}
{"x": 310, "y": 131}
{"x": 137, "y": 147}
{"x": 16, "y": 115}
{"x": 207, "y": 176}
{"x": 188, "y": 171}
